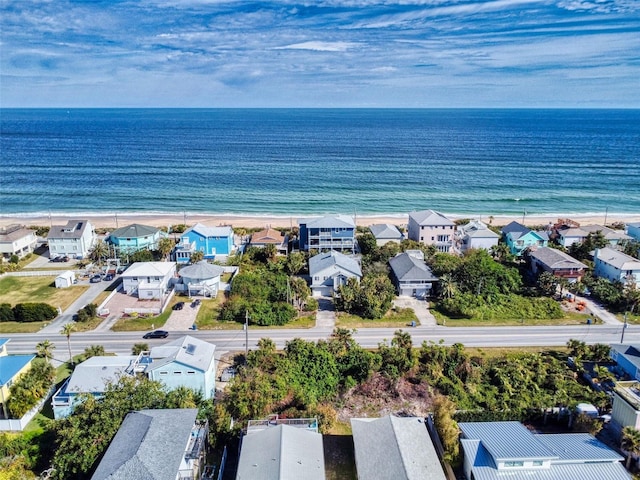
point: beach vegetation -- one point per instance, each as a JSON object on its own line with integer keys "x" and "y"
{"x": 179, "y": 228}
{"x": 370, "y": 298}
{"x": 581, "y": 250}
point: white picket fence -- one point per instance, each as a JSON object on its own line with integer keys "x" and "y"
{"x": 19, "y": 424}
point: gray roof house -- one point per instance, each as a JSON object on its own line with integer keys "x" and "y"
{"x": 432, "y": 228}
{"x": 556, "y": 262}
{"x": 331, "y": 232}
{"x": 475, "y": 234}
{"x": 17, "y": 240}
{"x": 411, "y": 276}
{"x": 394, "y": 448}
{"x": 331, "y": 269}
{"x": 156, "y": 445}
{"x": 385, "y": 233}
{"x": 616, "y": 266}
{"x": 202, "y": 278}
{"x": 74, "y": 239}
{"x": 494, "y": 450}
{"x": 281, "y": 452}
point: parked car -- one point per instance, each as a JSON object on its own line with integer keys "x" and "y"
{"x": 96, "y": 279}
{"x": 108, "y": 277}
{"x": 156, "y": 334}
{"x": 178, "y": 306}
{"x": 195, "y": 303}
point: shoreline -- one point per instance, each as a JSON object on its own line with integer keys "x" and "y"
{"x": 165, "y": 219}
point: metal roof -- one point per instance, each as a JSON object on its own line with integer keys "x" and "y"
{"x": 205, "y": 231}
{"x": 430, "y": 218}
{"x": 555, "y": 259}
{"x": 149, "y": 269}
{"x": 385, "y": 231}
{"x": 406, "y": 267}
{"x": 507, "y": 440}
{"x": 320, "y": 262}
{"x": 10, "y": 365}
{"x": 201, "y": 356}
{"x": 328, "y": 221}
{"x": 150, "y": 445}
{"x": 617, "y": 259}
{"x": 201, "y": 270}
{"x": 135, "y": 230}
{"x": 93, "y": 375}
{"x": 578, "y": 447}
{"x": 394, "y": 448}
{"x": 281, "y": 453}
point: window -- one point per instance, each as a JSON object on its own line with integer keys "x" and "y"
{"x": 538, "y": 463}
{"x": 177, "y": 373}
{"x": 316, "y": 278}
{"x": 514, "y": 464}
{"x": 191, "y": 372}
{"x": 433, "y": 238}
{"x": 164, "y": 373}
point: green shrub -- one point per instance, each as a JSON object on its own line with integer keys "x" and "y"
{"x": 15, "y": 259}
{"x": 311, "y": 305}
{"x": 34, "y": 312}
{"x": 6, "y": 313}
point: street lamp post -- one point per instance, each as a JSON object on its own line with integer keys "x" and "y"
{"x": 624, "y": 327}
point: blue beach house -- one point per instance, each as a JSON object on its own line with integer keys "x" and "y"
{"x": 11, "y": 368}
{"x": 211, "y": 241}
{"x": 333, "y": 232}
{"x": 135, "y": 237}
{"x": 519, "y": 238}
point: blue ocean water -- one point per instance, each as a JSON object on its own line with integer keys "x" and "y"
{"x": 307, "y": 161}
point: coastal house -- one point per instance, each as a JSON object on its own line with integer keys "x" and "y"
{"x": 520, "y": 238}
{"x": 432, "y": 228}
{"x": 163, "y": 444}
{"x": 494, "y": 450}
{"x": 616, "y": 266}
{"x": 149, "y": 280}
{"x": 211, "y": 241}
{"x": 557, "y": 263}
{"x": 385, "y": 233}
{"x": 568, "y": 236}
{"x": 331, "y": 232}
{"x": 331, "y": 269}
{"x": 394, "y": 448}
{"x": 75, "y": 239}
{"x": 627, "y": 358}
{"x": 92, "y": 377}
{"x": 184, "y": 362}
{"x": 633, "y": 230}
{"x": 475, "y": 234}
{"x": 12, "y": 367}
{"x": 281, "y": 449}
{"x": 269, "y": 236}
{"x": 201, "y": 278}
{"x": 135, "y": 237}
{"x": 411, "y": 275}
{"x": 17, "y": 240}
{"x": 625, "y": 411}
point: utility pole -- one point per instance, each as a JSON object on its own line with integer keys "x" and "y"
{"x": 606, "y": 212}
{"x": 624, "y": 327}
{"x": 246, "y": 336}
{"x": 524, "y": 212}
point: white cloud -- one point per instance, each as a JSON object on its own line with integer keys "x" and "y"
{"x": 318, "y": 46}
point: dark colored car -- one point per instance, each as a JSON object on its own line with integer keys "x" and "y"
{"x": 156, "y": 334}
{"x": 195, "y": 303}
{"x": 108, "y": 277}
{"x": 96, "y": 279}
{"x": 178, "y": 306}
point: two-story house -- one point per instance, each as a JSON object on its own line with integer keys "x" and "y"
{"x": 616, "y": 266}
{"x": 75, "y": 239}
{"x": 475, "y": 234}
{"x": 11, "y": 368}
{"x": 332, "y": 232}
{"x": 432, "y": 228}
{"x": 411, "y": 275}
{"x": 135, "y": 237}
{"x": 557, "y": 263}
{"x": 520, "y": 238}
{"x": 385, "y": 233}
{"x": 17, "y": 240}
{"x": 150, "y": 280}
{"x": 568, "y": 236}
{"x": 331, "y": 269}
{"x": 211, "y": 241}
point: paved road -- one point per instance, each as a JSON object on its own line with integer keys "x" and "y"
{"x": 234, "y": 340}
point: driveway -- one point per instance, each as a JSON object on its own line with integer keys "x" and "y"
{"x": 326, "y": 315}
{"x": 420, "y": 307}
{"x": 599, "y": 311}
{"x": 181, "y": 320}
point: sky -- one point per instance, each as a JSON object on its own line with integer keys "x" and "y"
{"x": 321, "y": 53}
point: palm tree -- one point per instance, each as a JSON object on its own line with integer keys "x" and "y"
{"x": 66, "y": 330}
{"x": 165, "y": 245}
{"x": 138, "y": 348}
{"x": 45, "y": 350}
{"x": 630, "y": 442}
{"x": 99, "y": 252}
{"x": 196, "y": 256}
{"x": 94, "y": 351}
{"x": 448, "y": 287}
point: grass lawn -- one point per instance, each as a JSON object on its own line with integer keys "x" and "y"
{"x": 102, "y": 297}
{"x": 88, "y": 325}
{"x": 400, "y": 317}
{"x": 17, "y": 327}
{"x": 631, "y": 318}
{"x": 130, "y": 324}
{"x": 15, "y": 290}
{"x": 568, "y": 319}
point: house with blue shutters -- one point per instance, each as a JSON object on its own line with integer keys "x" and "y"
{"x": 212, "y": 241}
{"x": 333, "y": 232}
{"x": 519, "y": 238}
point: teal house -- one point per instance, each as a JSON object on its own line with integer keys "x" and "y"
{"x": 135, "y": 237}
{"x": 211, "y": 241}
{"x": 519, "y": 238}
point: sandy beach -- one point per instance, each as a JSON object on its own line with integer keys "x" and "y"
{"x": 258, "y": 221}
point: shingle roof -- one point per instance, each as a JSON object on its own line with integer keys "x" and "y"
{"x": 385, "y": 231}
{"x": 205, "y": 231}
{"x": 282, "y": 452}
{"x": 201, "y": 270}
{"x": 406, "y": 267}
{"x": 134, "y": 230}
{"x": 616, "y": 258}
{"x": 319, "y": 262}
{"x": 186, "y": 350}
{"x": 149, "y": 269}
{"x": 93, "y": 375}
{"x": 12, "y": 233}
{"x": 394, "y": 448}
{"x": 514, "y": 227}
{"x": 10, "y": 365}
{"x": 556, "y": 259}
{"x": 430, "y": 218}
{"x": 149, "y": 445}
{"x": 73, "y": 229}
{"x": 268, "y": 235}
{"x": 328, "y": 221}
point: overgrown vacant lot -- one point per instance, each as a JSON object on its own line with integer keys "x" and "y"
{"x": 15, "y": 290}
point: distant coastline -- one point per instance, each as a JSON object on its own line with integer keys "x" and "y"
{"x": 158, "y": 219}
